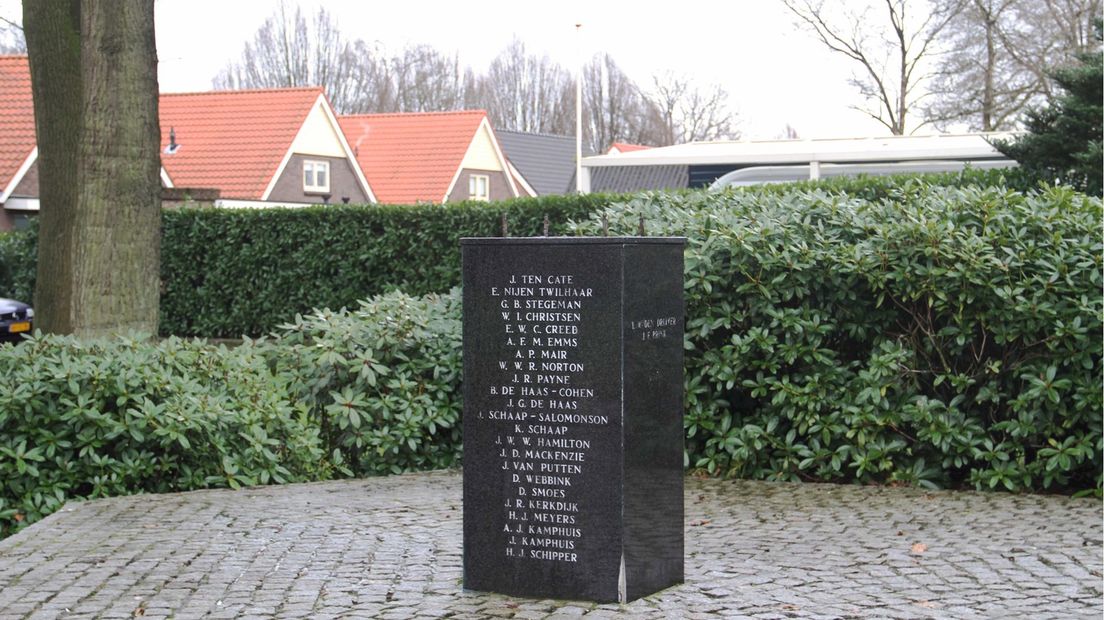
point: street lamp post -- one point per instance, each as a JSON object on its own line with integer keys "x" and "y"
{"x": 578, "y": 109}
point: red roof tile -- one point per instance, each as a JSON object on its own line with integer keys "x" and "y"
{"x": 17, "y": 130}
{"x": 411, "y": 156}
{"x": 233, "y": 141}
{"x": 625, "y": 147}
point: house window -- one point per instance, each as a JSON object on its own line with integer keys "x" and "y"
{"x": 479, "y": 187}
{"x": 316, "y": 176}
{"x": 21, "y": 221}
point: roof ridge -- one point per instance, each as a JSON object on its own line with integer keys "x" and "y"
{"x": 855, "y": 138}
{"x": 535, "y": 133}
{"x": 409, "y": 114}
{"x": 247, "y": 91}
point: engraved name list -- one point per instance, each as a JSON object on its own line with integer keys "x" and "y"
{"x": 541, "y": 413}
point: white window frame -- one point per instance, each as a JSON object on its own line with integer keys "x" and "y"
{"x": 314, "y": 166}
{"x": 473, "y": 187}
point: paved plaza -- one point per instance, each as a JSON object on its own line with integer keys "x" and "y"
{"x": 391, "y": 548}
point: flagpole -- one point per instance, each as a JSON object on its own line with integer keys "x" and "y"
{"x": 578, "y": 109}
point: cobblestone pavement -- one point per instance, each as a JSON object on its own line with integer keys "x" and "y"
{"x": 391, "y": 548}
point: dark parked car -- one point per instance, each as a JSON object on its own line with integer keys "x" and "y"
{"x": 16, "y": 319}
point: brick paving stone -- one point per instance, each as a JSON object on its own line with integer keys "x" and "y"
{"x": 391, "y": 548}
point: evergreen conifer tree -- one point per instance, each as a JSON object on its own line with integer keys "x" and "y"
{"x": 1063, "y": 144}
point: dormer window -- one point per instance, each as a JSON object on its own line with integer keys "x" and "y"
{"x": 316, "y": 177}
{"x": 479, "y": 187}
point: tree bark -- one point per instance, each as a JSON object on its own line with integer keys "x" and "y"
{"x": 101, "y": 271}
{"x": 118, "y": 236}
{"x": 52, "y": 30}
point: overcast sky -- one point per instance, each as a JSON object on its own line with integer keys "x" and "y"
{"x": 775, "y": 74}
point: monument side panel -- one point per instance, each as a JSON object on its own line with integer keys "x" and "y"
{"x": 653, "y": 410}
{"x": 542, "y": 419}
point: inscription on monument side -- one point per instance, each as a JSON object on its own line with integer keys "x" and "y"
{"x": 541, "y": 412}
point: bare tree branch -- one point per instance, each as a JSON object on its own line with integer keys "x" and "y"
{"x": 525, "y": 92}
{"x": 1001, "y": 55}
{"x": 520, "y": 91}
{"x": 289, "y": 51}
{"x": 690, "y": 113}
{"x": 888, "y": 53}
{"x": 12, "y": 40}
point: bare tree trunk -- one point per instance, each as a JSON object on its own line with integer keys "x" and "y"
{"x": 988, "y": 98}
{"x": 897, "y": 18}
{"x": 101, "y": 270}
{"x": 53, "y": 43}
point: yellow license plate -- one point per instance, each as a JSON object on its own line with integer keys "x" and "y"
{"x": 24, "y": 326}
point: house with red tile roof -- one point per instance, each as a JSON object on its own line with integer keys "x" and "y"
{"x": 18, "y": 150}
{"x": 18, "y": 145}
{"x": 236, "y": 148}
{"x": 434, "y": 157}
{"x": 260, "y": 148}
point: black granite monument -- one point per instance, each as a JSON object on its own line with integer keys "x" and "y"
{"x": 573, "y": 435}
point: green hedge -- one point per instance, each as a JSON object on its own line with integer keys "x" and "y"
{"x": 94, "y": 419}
{"x": 888, "y": 186}
{"x": 233, "y": 272}
{"x": 940, "y": 337}
{"x": 228, "y": 272}
{"x": 370, "y": 391}
{"x": 381, "y": 383}
{"x": 18, "y": 259}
